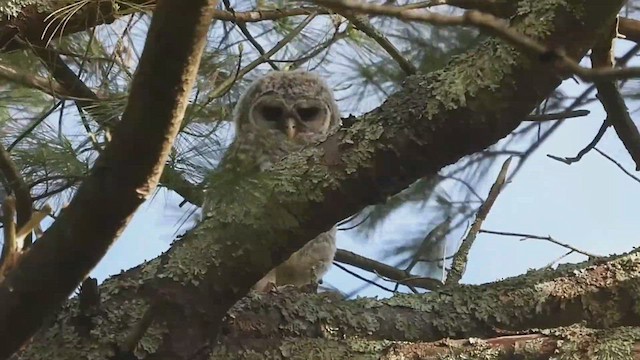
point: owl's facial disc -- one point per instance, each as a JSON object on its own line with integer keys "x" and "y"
{"x": 297, "y": 122}
{"x": 312, "y": 117}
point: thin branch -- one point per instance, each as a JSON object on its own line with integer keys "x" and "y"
{"x": 390, "y": 272}
{"x": 15, "y": 181}
{"x": 558, "y": 116}
{"x": 119, "y": 182}
{"x": 617, "y": 164}
{"x": 227, "y": 83}
{"x": 596, "y": 139}
{"x": 362, "y": 23}
{"x": 34, "y": 25}
{"x": 75, "y": 86}
{"x": 245, "y": 31}
{"x": 362, "y": 278}
{"x": 618, "y": 116}
{"x": 537, "y": 237}
{"x": 459, "y": 262}
{"x": 602, "y": 56}
{"x": 578, "y": 101}
{"x": 137, "y": 331}
{"x": 493, "y": 26}
{"x": 34, "y": 82}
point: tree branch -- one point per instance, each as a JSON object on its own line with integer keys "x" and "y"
{"x": 20, "y": 189}
{"x": 432, "y": 122}
{"x": 33, "y": 25}
{"x": 34, "y": 82}
{"x": 401, "y": 276}
{"x": 460, "y": 259}
{"x": 122, "y": 178}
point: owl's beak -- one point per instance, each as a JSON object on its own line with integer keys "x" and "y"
{"x": 291, "y": 128}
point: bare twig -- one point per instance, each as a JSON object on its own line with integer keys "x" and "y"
{"x": 617, "y": 164}
{"x": 558, "y": 116}
{"x": 362, "y": 278}
{"x": 578, "y": 101}
{"x": 586, "y": 149}
{"x": 227, "y": 83}
{"x": 362, "y": 23}
{"x": 401, "y": 276}
{"x": 245, "y": 31}
{"x": 537, "y": 237}
{"x": 459, "y": 263}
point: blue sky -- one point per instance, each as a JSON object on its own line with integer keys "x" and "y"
{"x": 591, "y": 205}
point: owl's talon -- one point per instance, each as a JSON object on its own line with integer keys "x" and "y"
{"x": 270, "y": 287}
{"x": 311, "y": 288}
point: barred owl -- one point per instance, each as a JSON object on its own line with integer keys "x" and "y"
{"x": 279, "y": 113}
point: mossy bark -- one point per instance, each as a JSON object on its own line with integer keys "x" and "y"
{"x": 261, "y": 218}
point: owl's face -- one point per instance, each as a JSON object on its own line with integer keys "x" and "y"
{"x": 296, "y": 119}
{"x": 292, "y": 105}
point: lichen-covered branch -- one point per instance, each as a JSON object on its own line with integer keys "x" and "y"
{"x": 459, "y": 263}
{"x": 575, "y": 342}
{"x": 260, "y": 219}
{"x": 597, "y": 295}
{"x": 432, "y": 122}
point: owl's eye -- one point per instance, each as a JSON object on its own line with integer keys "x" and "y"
{"x": 271, "y": 112}
{"x": 308, "y": 113}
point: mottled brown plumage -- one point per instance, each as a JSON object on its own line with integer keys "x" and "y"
{"x": 279, "y": 113}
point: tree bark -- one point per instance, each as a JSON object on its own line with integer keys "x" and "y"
{"x": 432, "y": 122}
{"x": 123, "y": 177}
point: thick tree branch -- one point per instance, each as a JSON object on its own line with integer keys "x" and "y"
{"x": 596, "y": 294}
{"x": 602, "y": 56}
{"x": 432, "y": 122}
{"x": 123, "y": 177}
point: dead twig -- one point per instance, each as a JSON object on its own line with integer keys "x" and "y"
{"x": 558, "y": 116}
{"x": 390, "y": 272}
{"x": 617, "y": 164}
{"x": 596, "y": 139}
{"x": 460, "y": 259}
{"x": 538, "y": 237}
